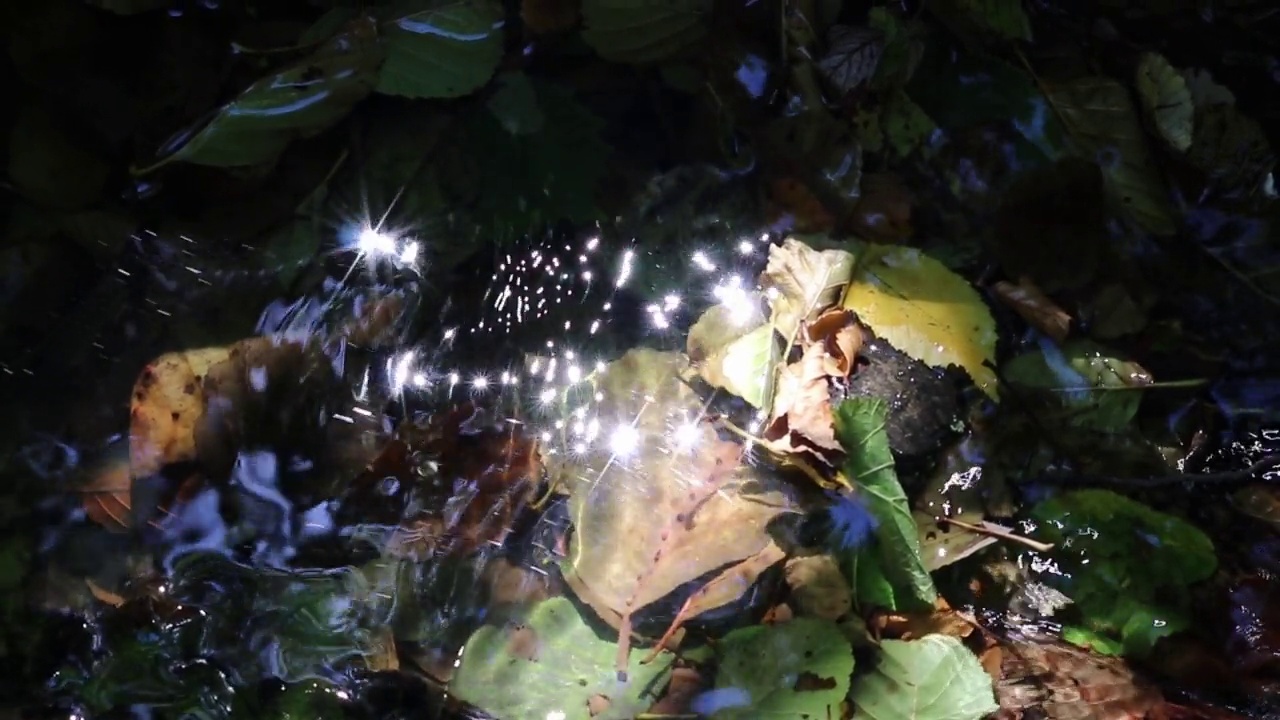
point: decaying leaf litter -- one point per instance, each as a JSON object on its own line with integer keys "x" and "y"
{"x": 954, "y": 417}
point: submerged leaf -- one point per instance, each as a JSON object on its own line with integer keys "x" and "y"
{"x": 443, "y": 52}
{"x": 860, "y": 429}
{"x": 852, "y": 56}
{"x": 1101, "y": 117}
{"x": 643, "y": 31}
{"x": 515, "y": 105}
{"x": 666, "y": 507}
{"x": 1166, "y": 99}
{"x": 925, "y": 310}
{"x": 168, "y": 402}
{"x": 745, "y": 366}
{"x": 818, "y": 588}
{"x": 553, "y": 660}
{"x": 799, "y": 668}
{"x": 1098, "y": 391}
{"x": 1004, "y": 19}
{"x": 1126, "y": 566}
{"x": 933, "y": 678}
{"x": 301, "y": 100}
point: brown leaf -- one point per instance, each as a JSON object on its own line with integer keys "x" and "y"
{"x": 840, "y": 335}
{"x": 106, "y": 495}
{"x": 103, "y": 595}
{"x": 597, "y": 704}
{"x": 909, "y": 626}
{"x": 1050, "y": 679}
{"x": 883, "y": 212}
{"x": 802, "y": 282}
{"x": 168, "y": 400}
{"x": 522, "y": 643}
{"x": 802, "y": 415}
{"x": 669, "y": 510}
{"x": 686, "y": 684}
{"x": 382, "y": 654}
{"x": 793, "y": 200}
{"x": 818, "y": 587}
{"x": 721, "y": 590}
{"x": 1035, "y": 307}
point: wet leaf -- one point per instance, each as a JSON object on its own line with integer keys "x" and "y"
{"x": 1114, "y": 313}
{"x": 840, "y": 336}
{"x": 942, "y": 544}
{"x": 1057, "y": 680}
{"x": 443, "y": 51}
{"x": 801, "y": 418}
{"x": 799, "y": 668}
{"x": 643, "y": 31}
{"x": 1231, "y": 148}
{"x": 802, "y": 282}
{"x": 1097, "y": 390}
{"x": 299, "y": 101}
{"x": 902, "y": 48}
{"x": 718, "y": 327}
{"x": 541, "y": 176}
{"x": 108, "y": 493}
{"x": 852, "y": 55}
{"x": 860, "y": 429}
{"x": 515, "y": 104}
{"x": 167, "y": 403}
{"x": 1166, "y": 100}
{"x": 745, "y": 367}
{"x": 1102, "y": 120}
{"x": 1035, "y": 307}
{"x": 933, "y": 678}
{"x": 923, "y": 309}
{"x": 906, "y": 125}
{"x": 666, "y": 508}
{"x": 727, "y": 587}
{"x": 1126, "y": 566}
{"x": 818, "y": 588}
{"x": 560, "y": 663}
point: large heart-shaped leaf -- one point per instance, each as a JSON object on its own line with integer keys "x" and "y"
{"x": 933, "y": 678}
{"x": 442, "y": 51}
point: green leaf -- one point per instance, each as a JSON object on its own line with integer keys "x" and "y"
{"x": 515, "y": 105}
{"x": 644, "y": 31}
{"x": 902, "y": 49}
{"x": 301, "y": 100}
{"x": 1097, "y": 390}
{"x": 933, "y": 678}
{"x": 745, "y": 367}
{"x": 923, "y": 309}
{"x": 442, "y": 51}
{"x": 1126, "y": 566}
{"x": 795, "y": 669}
{"x": 544, "y": 176}
{"x": 327, "y": 25}
{"x": 1100, "y": 116}
{"x": 906, "y": 126}
{"x": 291, "y": 247}
{"x": 860, "y": 428}
{"x": 554, "y": 660}
{"x": 871, "y": 588}
{"x": 1166, "y": 100}
{"x": 852, "y": 55}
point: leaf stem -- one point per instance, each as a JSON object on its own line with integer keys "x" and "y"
{"x": 996, "y": 531}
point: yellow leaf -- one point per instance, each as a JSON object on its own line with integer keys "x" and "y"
{"x": 924, "y": 310}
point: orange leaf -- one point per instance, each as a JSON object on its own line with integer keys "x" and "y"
{"x": 841, "y": 336}
{"x": 1035, "y": 307}
{"x": 790, "y": 197}
{"x": 802, "y": 416}
{"x": 883, "y": 212}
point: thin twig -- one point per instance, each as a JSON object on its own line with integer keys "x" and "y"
{"x": 996, "y": 531}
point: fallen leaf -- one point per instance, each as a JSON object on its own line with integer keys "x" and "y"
{"x": 1044, "y": 677}
{"x": 942, "y": 543}
{"x": 745, "y": 367}
{"x": 794, "y": 200}
{"x": 669, "y": 509}
{"x": 1084, "y": 381}
{"x": 1035, "y": 307}
{"x": 802, "y": 282}
{"x": 721, "y": 590}
{"x": 802, "y": 418}
{"x": 765, "y": 663}
{"x": 925, "y": 310}
{"x": 883, "y": 212}
{"x": 107, "y": 494}
{"x": 167, "y": 402}
{"x": 103, "y": 595}
{"x": 942, "y": 620}
{"x": 933, "y": 678}
{"x": 686, "y": 684}
{"x": 818, "y": 588}
{"x": 1166, "y": 99}
{"x": 1099, "y": 114}
{"x": 838, "y": 332}
{"x": 853, "y": 53}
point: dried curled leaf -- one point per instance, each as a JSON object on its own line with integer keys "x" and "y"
{"x": 802, "y": 418}
{"x": 802, "y": 282}
{"x": 1166, "y": 99}
{"x": 1032, "y": 305}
